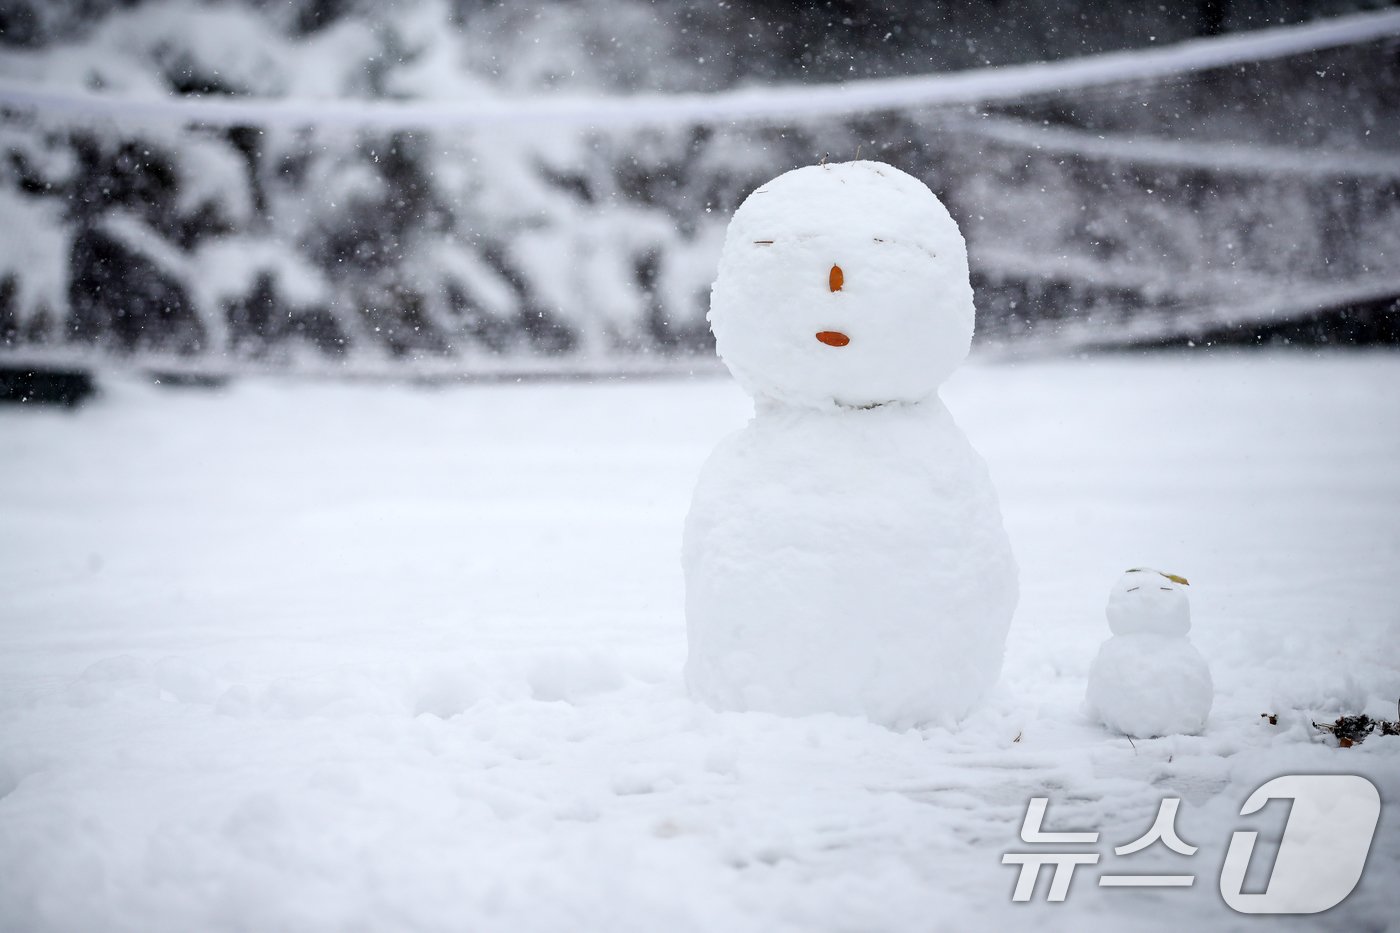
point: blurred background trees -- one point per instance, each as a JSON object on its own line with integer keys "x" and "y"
{"x": 1255, "y": 202}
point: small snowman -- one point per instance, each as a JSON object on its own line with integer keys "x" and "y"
{"x": 1148, "y": 679}
{"x": 844, "y": 552}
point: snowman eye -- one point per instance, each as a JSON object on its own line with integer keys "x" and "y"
{"x": 878, "y": 240}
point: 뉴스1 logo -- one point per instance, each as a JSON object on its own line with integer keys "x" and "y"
{"x": 1319, "y": 862}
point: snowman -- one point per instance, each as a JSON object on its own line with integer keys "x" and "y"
{"x": 844, "y": 552}
{"x": 1148, "y": 679}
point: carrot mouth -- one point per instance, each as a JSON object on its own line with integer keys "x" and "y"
{"x": 833, "y": 338}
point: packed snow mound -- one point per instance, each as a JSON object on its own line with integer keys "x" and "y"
{"x": 850, "y": 562}
{"x": 1150, "y": 685}
{"x": 902, "y": 299}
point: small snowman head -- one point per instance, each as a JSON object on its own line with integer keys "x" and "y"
{"x": 842, "y": 285}
{"x": 1147, "y": 601}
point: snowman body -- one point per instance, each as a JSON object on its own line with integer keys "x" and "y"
{"x": 844, "y": 551}
{"x": 1148, "y": 680}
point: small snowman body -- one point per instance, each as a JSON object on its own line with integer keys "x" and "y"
{"x": 844, "y": 552}
{"x": 1148, "y": 679}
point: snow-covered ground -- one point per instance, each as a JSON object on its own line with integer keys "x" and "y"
{"x": 334, "y": 657}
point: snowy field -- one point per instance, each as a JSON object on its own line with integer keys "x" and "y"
{"x": 320, "y": 657}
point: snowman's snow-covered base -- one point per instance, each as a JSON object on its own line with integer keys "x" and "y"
{"x": 1149, "y": 685}
{"x": 848, "y": 562}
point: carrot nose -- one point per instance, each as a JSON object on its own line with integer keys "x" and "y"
{"x": 833, "y": 338}
{"x": 836, "y": 279}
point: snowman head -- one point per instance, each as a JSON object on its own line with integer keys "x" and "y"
{"x": 1147, "y": 601}
{"x": 842, "y": 285}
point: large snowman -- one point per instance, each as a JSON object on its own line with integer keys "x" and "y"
{"x": 844, "y": 551}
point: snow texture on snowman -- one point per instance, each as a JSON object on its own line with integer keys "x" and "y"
{"x": 844, "y": 551}
{"x": 1148, "y": 679}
